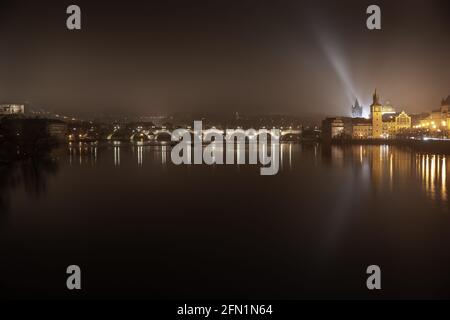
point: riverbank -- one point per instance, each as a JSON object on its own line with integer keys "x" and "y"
{"x": 433, "y": 146}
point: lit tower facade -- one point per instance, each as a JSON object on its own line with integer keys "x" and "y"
{"x": 377, "y": 116}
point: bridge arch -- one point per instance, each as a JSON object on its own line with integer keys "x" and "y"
{"x": 141, "y": 136}
{"x": 162, "y": 135}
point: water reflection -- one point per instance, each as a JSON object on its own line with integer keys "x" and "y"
{"x": 432, "y": 170}
{"x": 163, "y": 154}
{"x": 389, "y": 168}
{"x": 327, "y": 206}
{"x": 31, "y": 174}
{"x": 286, "y": 155}
{"x": 378, "y": 168}
{"x": 140, "y": 155}
{"x": 240, "y": 155}
{"x": 384, "y": 167}
{"x": 116, "y": 156}
{"x": 86, "y": 153}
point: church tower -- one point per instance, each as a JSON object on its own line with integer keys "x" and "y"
{"x": 357, "y": 110}
{"x": 377, "y": 116}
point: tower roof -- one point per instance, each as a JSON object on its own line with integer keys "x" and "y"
{"x": 375, "y": 98}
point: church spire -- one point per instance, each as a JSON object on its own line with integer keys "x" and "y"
{"x": 357, "y": 109}
{"x": 376, "y": 98}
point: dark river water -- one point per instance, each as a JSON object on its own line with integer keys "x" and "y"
{"x": 141, "y": 227}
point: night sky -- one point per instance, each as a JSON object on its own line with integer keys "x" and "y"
{"x": 251, "y": 56}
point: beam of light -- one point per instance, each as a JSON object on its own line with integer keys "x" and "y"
{"x": 337, "y": 61}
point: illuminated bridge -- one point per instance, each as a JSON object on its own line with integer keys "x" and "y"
{"x": 164, "y": 134}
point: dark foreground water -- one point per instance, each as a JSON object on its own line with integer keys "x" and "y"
{"x": 141, "y": 227}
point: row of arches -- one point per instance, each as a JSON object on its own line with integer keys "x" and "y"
{"x": 209, "y": 134}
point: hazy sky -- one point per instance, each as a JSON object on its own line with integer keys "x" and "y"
{"x": 298, "y": 57}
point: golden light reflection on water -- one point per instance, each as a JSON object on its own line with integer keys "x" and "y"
{"x": 433, "y": 174}
{"x": 392, "y": 167}
{"x": 386, "y": 168}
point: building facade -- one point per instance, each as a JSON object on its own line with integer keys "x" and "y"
{"x": 377, "y": 116}
{"x": 9, "y": 109}
{"x": 384, "y": 123}
{"x": 437, "y": 120}
{"x": 362, "y": 131}
{"x": 402, "y": 122}
{"x": 337, "y": 128}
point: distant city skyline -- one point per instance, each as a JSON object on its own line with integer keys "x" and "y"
{"x": 293, "y": 57}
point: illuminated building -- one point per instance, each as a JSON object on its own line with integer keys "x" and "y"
{"x": 8, "y": 109}
{"x": 402, "y": 122}
{"x": 388, "y": 127}
{"x": 362, "y": 128}
{"x": 377, "y": 116}
{"x": 387, "y": 108}
{"x": 384, "y": 123}
{"x": 395, "y": 123}
{"x": 338, "y": 127}
{"x": 437, "y": 120}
